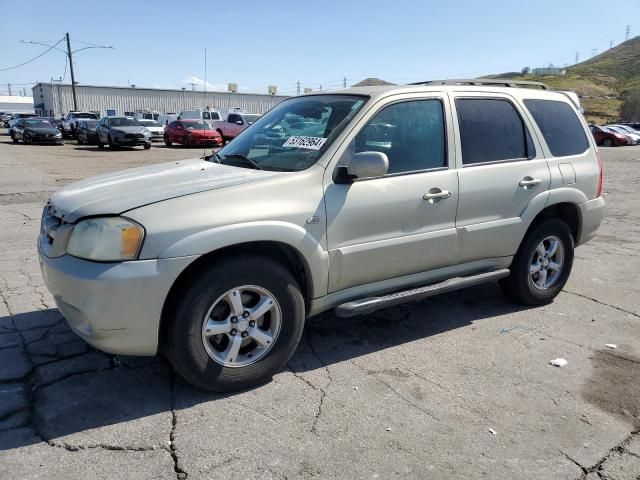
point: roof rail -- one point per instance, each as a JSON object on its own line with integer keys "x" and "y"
{"x": 486, "y": 82}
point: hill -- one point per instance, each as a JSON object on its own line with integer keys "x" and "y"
{"x": 602, "y": 82}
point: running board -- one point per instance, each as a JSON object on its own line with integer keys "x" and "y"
{"x": 368, "y": 305}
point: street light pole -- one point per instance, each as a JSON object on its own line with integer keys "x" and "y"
{"x": 73, "y": 78}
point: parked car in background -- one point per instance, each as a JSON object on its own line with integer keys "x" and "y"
{"x": 234, "y": 124}
{"x": 197, "y": 114}
{"x": 122, "y": 132}
{"x": 70, "y": 122}
{"x": 156, "y": 129}
{"x": 86, "y": 132}
{"x": 191, "y": 133}
{"x": 218, "y": 261}
{"x": 17, "y": 116}
{"x": 629, "y": 133}
{"x": 35, "y": 130}
{"x": 608, "y": 138}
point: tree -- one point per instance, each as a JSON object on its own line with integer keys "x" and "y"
{"x": 630, "y": 111}
{"x": 525, "y": 71}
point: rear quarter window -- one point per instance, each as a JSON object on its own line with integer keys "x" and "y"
{"x": 560, "y": 127}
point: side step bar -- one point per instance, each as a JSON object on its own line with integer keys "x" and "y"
{"x": 368, "y": 305}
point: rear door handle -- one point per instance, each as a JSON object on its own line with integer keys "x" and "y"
{"x": 529, "y": 182}
{"x": 436, "y": 194}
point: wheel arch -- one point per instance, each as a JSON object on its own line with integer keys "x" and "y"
{"x": 283, "y": 253}
{"x": 568, "y": 212}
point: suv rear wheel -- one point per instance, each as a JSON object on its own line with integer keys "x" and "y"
{"x": 237, "y": 324}
{"x": 542, "y": 265}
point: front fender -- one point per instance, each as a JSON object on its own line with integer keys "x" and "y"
{"x": 309, "y": 248}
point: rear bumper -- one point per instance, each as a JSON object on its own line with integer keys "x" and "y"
{"x": 116, "y": 307}
{"x": 591, "y": 215}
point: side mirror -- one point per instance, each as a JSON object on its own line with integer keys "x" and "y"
{"x": 363, "y": 165}
{"x": 239, "y": 122}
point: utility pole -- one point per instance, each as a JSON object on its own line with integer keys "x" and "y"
{"x": 577, "y": 57}
{"x": 627, "y": 33}
{"x": 193, "y": 85}
{"x": 298, "y": 88}
{"x": 73, "y": 77}
{"x": 9, "y": 88}
{"x": 594, "y": 52}
{"x": 610, "y": 44}
{"x": 320, "y": 87}
{"x": 344, "y": 82}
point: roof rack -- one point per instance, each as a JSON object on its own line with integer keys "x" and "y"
{"x": 486, "y": 82}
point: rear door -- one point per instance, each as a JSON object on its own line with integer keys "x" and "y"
{"x": 501, "y": 174}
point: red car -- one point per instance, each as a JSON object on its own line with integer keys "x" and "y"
{"x": 191, "y": 133}
{"x": 607, "y": 137}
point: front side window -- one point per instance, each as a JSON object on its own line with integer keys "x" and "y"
{"x": 491, "y": 130}
{"x": 272, "y": 142}
{"x": 206, "y": 116}
{"x": 560, "y": 127}
{"x": 411, "y": 134}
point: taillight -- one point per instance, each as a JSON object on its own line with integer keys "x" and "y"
{"x": 600, "y": 176}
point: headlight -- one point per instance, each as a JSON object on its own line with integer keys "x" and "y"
{"x": 58, "y": 134}
{"x": 146, "y": 133}
{"x": 106, "y": 239}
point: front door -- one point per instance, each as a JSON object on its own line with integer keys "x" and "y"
{"x": 404, "y": 222}
{"x": 502, "y": 173}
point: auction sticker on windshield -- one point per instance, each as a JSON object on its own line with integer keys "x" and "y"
{"x": 309, "y": 143}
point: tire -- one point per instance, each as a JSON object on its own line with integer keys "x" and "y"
{"x": 80, "y": 142}
{"x": 13, "y": 138}
{"x": 528, "y": 287}
{"x": 607, "y": 142}
{"x": 185, "y": 141}
{"x": 112, "y": 145}
{"x": 167, "y": 142}
{"x": 147, "y": 146}
{"x": 185, "y": 345}
{"x": 99, "y": 143}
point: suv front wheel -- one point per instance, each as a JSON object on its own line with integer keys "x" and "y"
{"x": 542, "y": 265}
{"x": 236, "y": 325}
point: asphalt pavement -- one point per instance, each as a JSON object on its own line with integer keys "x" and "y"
{"x": 456, "y": 386}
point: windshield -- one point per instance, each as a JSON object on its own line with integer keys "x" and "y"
{"x": 293, "y": 135}
{"x": 123, "y": 122}
{"x": 85, "y": 115}
{"x": 197, "y": 126}
{"x": 250, "y": 118}
{"x": 37, "y": 123}
{"x": 149, "y": 123}
{"x": 90, "y": 123}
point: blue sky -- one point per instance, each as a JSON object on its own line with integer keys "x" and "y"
{"x": 161, "y": 43}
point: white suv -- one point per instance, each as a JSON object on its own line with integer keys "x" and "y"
{"x": 383, "y": 195}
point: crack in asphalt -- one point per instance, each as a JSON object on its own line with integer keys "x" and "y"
{"x": 179, "y": 471}
{"x": 628, "y": 312}
{"x": 620, "y": 448}
{"x": 396, "y": 392}
{"x": 323, "y": 391}
{"x": 572, "y": 460}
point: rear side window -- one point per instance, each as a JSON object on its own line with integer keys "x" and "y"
{"x": 491, "y": 130}
{"x": 560, "y": 127}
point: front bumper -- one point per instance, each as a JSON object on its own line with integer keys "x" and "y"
{"x": 132, "y": 142}
{"x": 116, "y": 307}
{"x": 591, "y": 215}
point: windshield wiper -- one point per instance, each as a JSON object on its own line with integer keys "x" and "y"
{"x": 214, "y": 157}
{"x": 243, "y": 159}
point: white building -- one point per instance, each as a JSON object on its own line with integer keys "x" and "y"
{"x": 52, "y": 99}
{"x": 15, "y": 103}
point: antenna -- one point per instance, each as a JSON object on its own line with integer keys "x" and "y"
{"x": 594, "y": 52}
{"x": 577, "y": 57}
{"x": 627, "y": 32}
{"x": 298, "y": 88}
{"x": 204, "y": 147}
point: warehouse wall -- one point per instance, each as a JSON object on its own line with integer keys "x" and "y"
{"x": 59, "y": 99}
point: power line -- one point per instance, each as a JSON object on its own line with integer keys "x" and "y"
{"x": 34, "y": 58}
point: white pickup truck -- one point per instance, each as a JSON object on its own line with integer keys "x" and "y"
{"x": 235, "y": 123}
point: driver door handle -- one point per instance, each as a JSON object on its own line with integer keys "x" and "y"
{"x": 529, "y": 182}
{"x": 436, "y": 194}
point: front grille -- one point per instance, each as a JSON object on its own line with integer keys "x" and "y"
{"x": 50, "y": 223}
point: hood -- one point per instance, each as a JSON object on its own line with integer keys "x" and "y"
{"x": 117, "y": 192}
{"x": 43, "y": 130}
